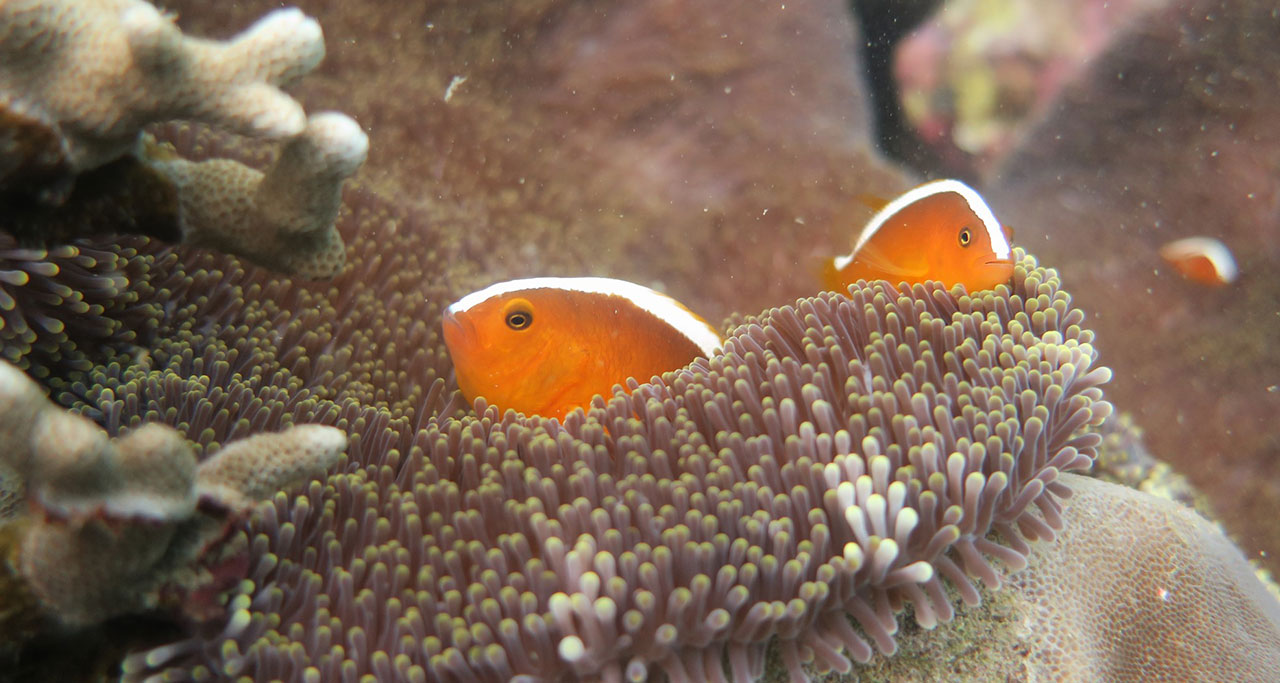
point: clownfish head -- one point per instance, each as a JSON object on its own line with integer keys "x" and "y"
{"x": 547, "y": 345}
{"x": 967, "y": 244}
{"x": 942, "y": 231}
{"x": 511, "y": 347}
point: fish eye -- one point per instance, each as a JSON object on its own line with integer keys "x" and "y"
{"x": 966, "y": 236}
{"x": 519, "y": 319}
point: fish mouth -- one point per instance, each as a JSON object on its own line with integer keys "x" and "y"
{"x": 996, "y": 265}
{"x": 995, "y": 271}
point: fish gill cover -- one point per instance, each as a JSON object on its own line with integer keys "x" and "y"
{"x": 843, "y": 457}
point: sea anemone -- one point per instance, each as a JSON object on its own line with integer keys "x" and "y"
{"x": 239, "y": 349}
{"x": 841, "y": 459}
{"x": 66, "y": 307}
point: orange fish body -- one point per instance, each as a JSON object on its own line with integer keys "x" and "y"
{"x": 941, "y": 231}
{"x": 544, "y": 346}
{"x": 1203, "y": 260}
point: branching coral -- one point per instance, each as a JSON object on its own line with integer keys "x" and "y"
{"x": 841, "y": 457}
{"x": 78, "y": 82}
{"x": 93, "y": 73}
{"x": 241, "y": 350}
{"x": 282, "y": 219}
{"x": 332, "y": 584}
{"x": 118, "y": 526}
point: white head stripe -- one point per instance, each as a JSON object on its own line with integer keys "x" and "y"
{"x": 657, "y": 304}
{"x": 977, "y": 205}
{"x": 1215, "y": 251}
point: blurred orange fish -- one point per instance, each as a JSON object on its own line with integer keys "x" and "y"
{"x": 1204, "y": 260}
{"x": 941, "y": 230}
{"x": 544, "y": 346}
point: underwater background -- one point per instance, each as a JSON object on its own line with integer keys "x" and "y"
{"x": 716, "y": 152}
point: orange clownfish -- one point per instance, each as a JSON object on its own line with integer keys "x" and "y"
{"x": 544, "y": 346}
{"x": 941, "y": 230}
{"x": 1204, "y": 260}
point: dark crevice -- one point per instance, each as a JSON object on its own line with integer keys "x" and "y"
{"x": 884, "y": 23}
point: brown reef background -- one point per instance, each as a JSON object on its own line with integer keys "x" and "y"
{"x": 1169, "y": 134}
{"x": 661, "y": 142}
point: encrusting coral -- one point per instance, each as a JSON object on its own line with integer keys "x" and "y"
{"x": 131, "y": 524}
{"x": 78, "y": 162}
{"x": 78, "y": 82}
{"x": 841, "y": 457}
{"x": 1116, "y": 602}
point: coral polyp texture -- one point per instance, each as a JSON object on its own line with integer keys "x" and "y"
{"x": 92, "y": 73}
{"x": 841, "y": 459}
{"x": 132, "y": 523}
{"x": 1113, "y": 601}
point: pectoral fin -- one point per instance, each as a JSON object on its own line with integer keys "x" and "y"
{"x": 871, "y": 259}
